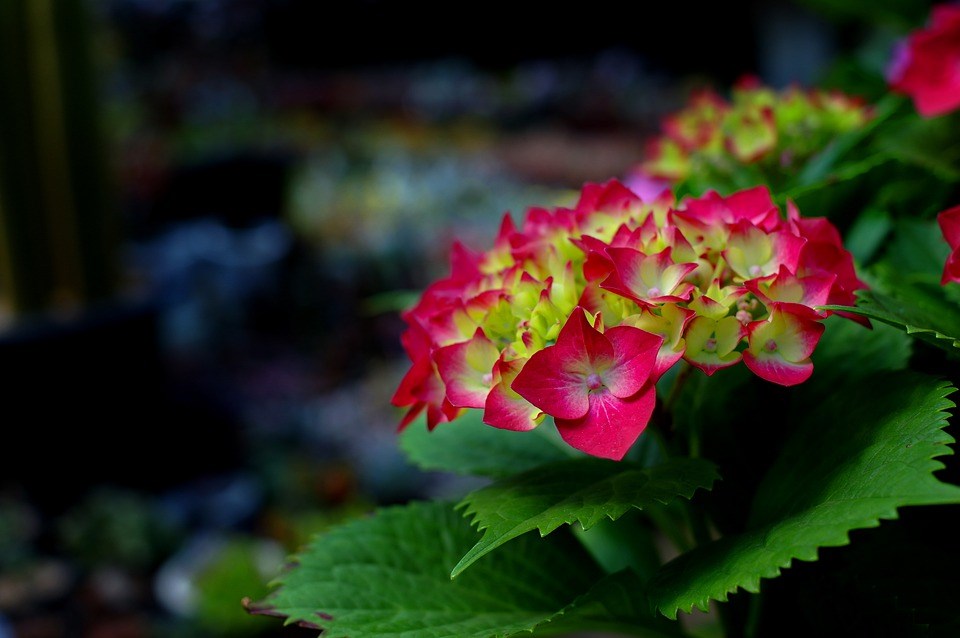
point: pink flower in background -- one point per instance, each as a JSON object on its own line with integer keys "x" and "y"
{"x": 926, "y": 66}
{"x": 773, "y": 131}
{"x": 949, "y": 221}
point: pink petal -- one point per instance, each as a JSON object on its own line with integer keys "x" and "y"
{"x": 818, "y": 229}
{"x": 615, "y": 197}
{"x": 464, "y": 263}
{"x": 753, "y": 204}
{"x": 635, "y": 358}
{"x": 646, "y": 186}
{"x": 951, "y": 269}
{"x": 505, "y": 408}
{"x": 812, "y": 290}
{"x": 611, "y": 425}
{"x": 467, "y": 370}
{"x": 581, "y": 343}
{"x": 554, "y": 379}
{"x": 949, "y": 221}
{"x": 407, "y": 392}
{"x": 925, "y": 67}
{"x": 509, "y": 412}
{"x": 778, "y": 370}
{"x": 442, "y": 413}
{"x": 780, "y": 346}
{"x": 647, "y": 279}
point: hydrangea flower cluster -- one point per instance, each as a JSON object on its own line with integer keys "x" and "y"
{"x": 578, "y": 312}
{"x": 775, "y": 130}
{"x": 926, "y": 65}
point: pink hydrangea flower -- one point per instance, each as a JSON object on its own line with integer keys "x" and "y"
{"x": 599, "y": 387}
{"x": 926, "y": 66}
{"x": 949, "y": 221}
{"x": 774, "y": 131}
{"x": 577, "y": 312}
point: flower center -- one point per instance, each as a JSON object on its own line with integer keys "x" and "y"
{"x": 755, "y": 271}
{"x": 594, "y": 381}
{"x": 770, "y": 346}
{"x": 653, "y": 292}
{"x": 710, "y": 344}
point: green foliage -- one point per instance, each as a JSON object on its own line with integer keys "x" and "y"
{"x": 861, "y": 454}
{"x": 916, "y": 251}
{"x": 867, "y": 234}
{"x": 468, "y": 446}
{"x": 923, "y": 311}
{"x": 897, "y": 580}
{"x": 388, "y": 576}
{"x": 907, "y": 293}
{"x": 586, "y": 491}
{"x": 848, "y": 350}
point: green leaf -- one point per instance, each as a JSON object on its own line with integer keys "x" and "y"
{"x": 468, "y": 446}
{"x": 823, "y": 163}
{"x": 867, "y": 235}
{"x": 907, "y": 293}
{"x": 896, "y": 580}
{"x": 628, "y": 542}
{"x": 583, "y": 490}
{"x": 848, "y": 350}
{"x": 618, "y": 603}
{"x": 879, "y": 181}
{"x": 388, "y": 577}
{"x": 923, "y": 310}
{"x": 865, "y": 451}
{"x": 917, "y": 248}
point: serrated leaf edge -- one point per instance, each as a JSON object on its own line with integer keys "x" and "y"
{"x": 472, "y": 514}
{"x": 906, "y": 327}
{"x": 813, "y": 552}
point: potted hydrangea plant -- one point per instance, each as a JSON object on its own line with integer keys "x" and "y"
{"x": 679, "y": 396}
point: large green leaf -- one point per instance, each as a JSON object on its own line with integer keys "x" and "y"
{"x": 865, "y": 451}
{"x": 583, "y": 490}
{"x": 388, "y": 577}
{"x": 897, "y": 580}
{"x": 468, "y": 446}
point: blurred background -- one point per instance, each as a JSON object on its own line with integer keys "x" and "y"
{"x": 210, "y": 214}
